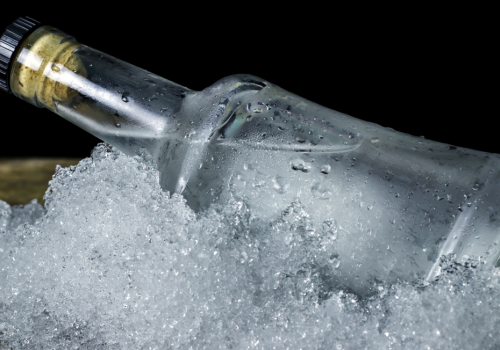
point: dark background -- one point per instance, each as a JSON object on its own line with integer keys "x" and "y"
{"x": 422, "y": 71}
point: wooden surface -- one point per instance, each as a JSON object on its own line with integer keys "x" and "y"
{"x": 22, "y": 180}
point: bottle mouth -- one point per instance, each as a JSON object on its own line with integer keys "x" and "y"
{"x": 38, "y": 65}
{"x": 10, "y": 42}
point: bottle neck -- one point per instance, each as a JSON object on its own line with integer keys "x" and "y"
{"x": 111, "y": 99}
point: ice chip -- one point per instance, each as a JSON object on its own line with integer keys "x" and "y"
{"x": 5, "y": 213}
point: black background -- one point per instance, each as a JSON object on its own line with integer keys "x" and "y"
{"x": 422, "y": 71}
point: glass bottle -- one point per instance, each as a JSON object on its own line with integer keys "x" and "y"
{"x": 394, "y": 202}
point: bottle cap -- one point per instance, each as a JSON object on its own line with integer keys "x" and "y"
{"x": 9, "y": 42}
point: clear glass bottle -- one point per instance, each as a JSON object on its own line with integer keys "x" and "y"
{"x": 396, "y": 202}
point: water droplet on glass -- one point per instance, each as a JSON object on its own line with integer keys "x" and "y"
{"x": 299, "y": 164}
{"x": 325, "y": 169}
{"x": 280, "y": 184}
{"x": 125, "y": 96}
{"x": 478, "y": 186}
{"x": 375, "y": 139}
{"x": 188, "y": 135}
{"x": 335, "y": 261}
{"x": 116, "y": 121}
{"x": 320, "y": 191}
{"x": 149, "y": 81}
{"x": 55, "y": 68}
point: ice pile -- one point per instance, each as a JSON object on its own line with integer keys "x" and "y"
{"x": 113, "y": 262}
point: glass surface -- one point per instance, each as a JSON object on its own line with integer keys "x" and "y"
{"x": 394, "y": 202}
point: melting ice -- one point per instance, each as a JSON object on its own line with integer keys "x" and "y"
{"x": 112, "y": 262}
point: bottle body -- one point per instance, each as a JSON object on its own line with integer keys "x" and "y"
{"x": 394, "y": 203}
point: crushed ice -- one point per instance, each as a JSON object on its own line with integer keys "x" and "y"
{"x": 112, "y": 262}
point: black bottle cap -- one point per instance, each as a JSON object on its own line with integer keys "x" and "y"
{"x": 9, "y": 42}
